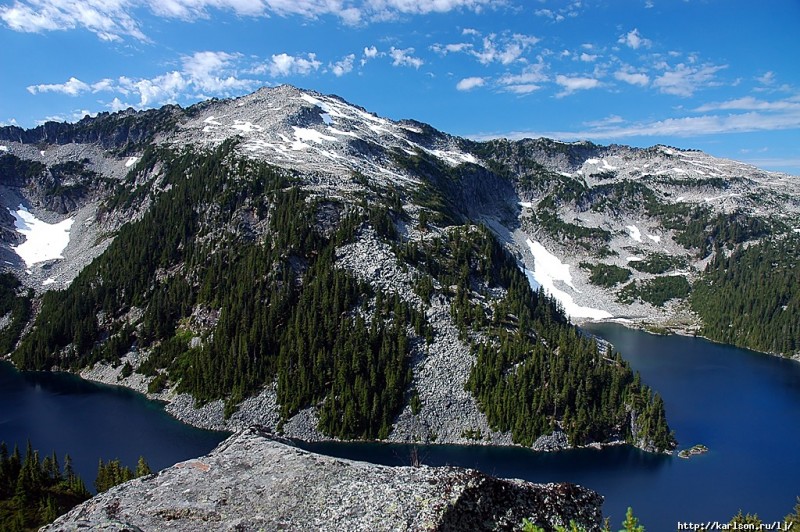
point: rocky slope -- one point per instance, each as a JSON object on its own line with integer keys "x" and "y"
{"x": 254, "y": 482}
{"x": 611, "y": 232}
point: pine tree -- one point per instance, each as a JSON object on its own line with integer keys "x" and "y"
{"x": 142, "y": 469}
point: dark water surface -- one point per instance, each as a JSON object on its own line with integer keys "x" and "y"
{"x": 744, "y": 406}
{"x": 62, "y": 413}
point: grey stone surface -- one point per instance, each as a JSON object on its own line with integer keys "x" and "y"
{"x": 253, "y": 481}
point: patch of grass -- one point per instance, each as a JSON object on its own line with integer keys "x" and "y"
{"x": 606, "y": 275}
{"x": 657, "y": 263}
{"x": 656, "y": 291}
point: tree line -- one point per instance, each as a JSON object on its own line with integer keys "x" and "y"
{"x": 35, "y": 490}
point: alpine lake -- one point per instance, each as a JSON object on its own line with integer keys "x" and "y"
{"x": 744, "y": 406}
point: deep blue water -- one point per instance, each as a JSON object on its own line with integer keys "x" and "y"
{"x": 744, "y": 406}
{"x": 65, "y": 414}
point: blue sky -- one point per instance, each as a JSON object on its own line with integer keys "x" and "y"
{"x": 718, "y": 75}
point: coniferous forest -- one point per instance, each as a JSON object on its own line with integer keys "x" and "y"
{"x": 34, "y": 491}
{"x": 751, "y": 297}
{"x": 533, "y": 371}
{"x": 228, "y": 282}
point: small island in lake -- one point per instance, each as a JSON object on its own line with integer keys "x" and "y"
{"x": 694, "y": 450}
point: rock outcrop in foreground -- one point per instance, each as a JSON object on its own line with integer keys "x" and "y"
{"x": 253, "y": 481}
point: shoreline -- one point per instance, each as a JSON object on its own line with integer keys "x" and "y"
{"x": 180, "y": 407}
{"x": 667, "y": 330}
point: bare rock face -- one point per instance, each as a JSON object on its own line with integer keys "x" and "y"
{"x": 254, "y": 481}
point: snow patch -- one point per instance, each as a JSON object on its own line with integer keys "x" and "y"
{"x": 654, "y": 238}
{"x": 411, "y": 129}
{"x": 452, "y": 157}
{"x": 547, "y": 270}
{"x": 131, "y": 161}
{"x": 634, "y": 232}
{"x": 310, "y": 99}
{"x": 526, "y": 204}
{"x": 327, "y": 108}
{"x": 633, "y": 259}
{"x": 592, "y": 161}
{"x": 301, "y": 133}
{"x": 326, "y": 118}
{"x": 212, "y": 120}
{"x": 607, "y": 166}
{"x": 3, "y": 148}
{"x": 48, "y": 281}
{"x": 43, "y": 241}
{"x": 531, "y": 279}
{"x": 340, "y": 132}
{"x": 245, "y": 127}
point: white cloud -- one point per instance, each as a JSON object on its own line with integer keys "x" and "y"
{"x": 778, "y": 164}
{"x": 72, "y": 87}
{"x": 403, "y": 57}
{"x": 117, "y": 105}
{"x": 213, "y": 72}
{"x": 549, "y": 13}
{"x": 687, "y": 126}
{"x": 523, "y": 88}
{"x": 767, "y": 79}
{"x": 684, "y": 80}
{"x": 74, "y": 116}
{"x": 748, "y": 103}
{"x": 530, "y": 74}
{"x": 282, "y": 65}
{"x": 108, "y": 19}
{"x": 381, "y": 8}
{"x": 451, "y": 48}
{"x": 467, "y": 84}
{"x": 345, "y": 66}
{"x": 634, "y": 40}
{"x": 588, "y": 58}
{"x": 609, "y": 120}
{"x": 166, "y": 88}
{"x": 570, "y": 10}
{"x": 103, "y": 85}
{"x": 370, "y": 52}
{"x": 203, "y": 74}
{"x": 526, "y": 81}
{"x": 634, "y": 78}
{"x": 114, "y": 19}
{"x": 504, "y": 49}
{"x": 575, "y": 83}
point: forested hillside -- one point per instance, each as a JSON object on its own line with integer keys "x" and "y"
{"x": 228, "y": 282}
{"x": 751, "y": 297}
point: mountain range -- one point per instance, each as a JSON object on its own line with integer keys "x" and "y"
{"x": 290, "y": 259}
